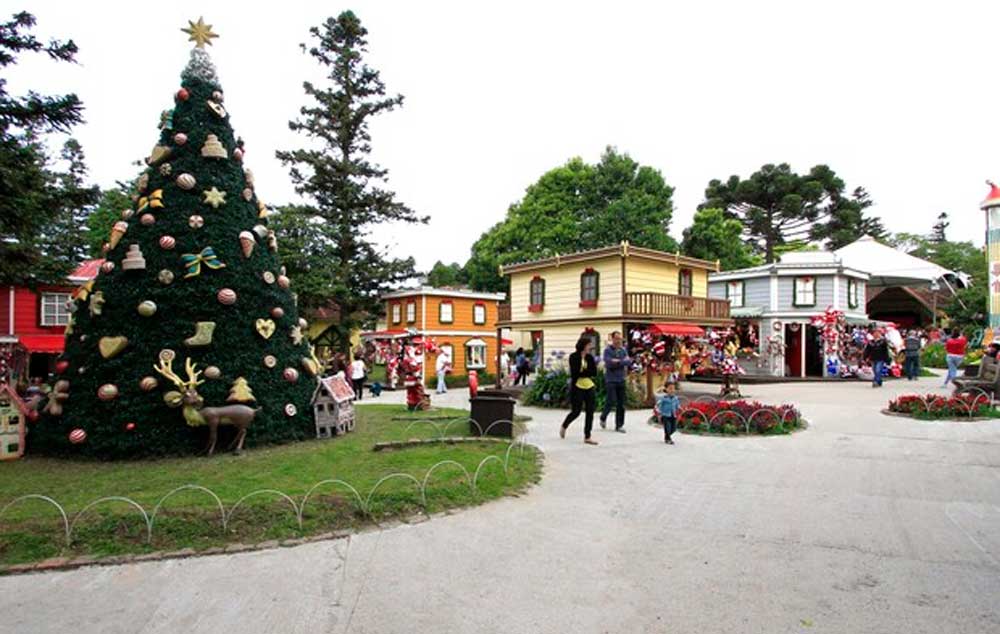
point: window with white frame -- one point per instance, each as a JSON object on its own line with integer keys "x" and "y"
{"x": 411, "y": 312}
{"x": 446, "y": 313}
{"x": 396, "y": 318}
{"x": 853, "y": 294}
{"x": 479, "y": 314}
{"x": 804, "y": 291}
{"x": 475, "y": 354}
{"x": 736, "y": 294}
{"x": 54, "y": 311}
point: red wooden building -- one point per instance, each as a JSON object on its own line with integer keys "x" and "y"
{"x": 33, "y": 321}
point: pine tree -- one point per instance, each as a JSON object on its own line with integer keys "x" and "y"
{"x": 344, "y": 187}
{"x": 192, "y": 279}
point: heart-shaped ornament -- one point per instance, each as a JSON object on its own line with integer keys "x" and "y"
{"x": 265, "y": 327}
{"x": 112, "y": 346}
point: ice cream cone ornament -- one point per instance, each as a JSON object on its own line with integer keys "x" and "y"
{"x": 117, "y": 231}
{"x": 247, "y": 243}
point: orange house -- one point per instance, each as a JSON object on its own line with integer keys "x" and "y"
{"x": 462, "y": 321}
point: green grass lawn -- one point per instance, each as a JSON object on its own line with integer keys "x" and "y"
{"x": 33, "y": 530}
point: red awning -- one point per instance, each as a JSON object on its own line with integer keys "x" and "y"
{"x": 678, "y": 330}
{"x": 507, "y": 342}
{"x": 43, "y": 343}
{"x": 386, "y": 334}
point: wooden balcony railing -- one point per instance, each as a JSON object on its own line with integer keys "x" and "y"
{"x": 664, "y": 306}
{"x": 503, "y": 314}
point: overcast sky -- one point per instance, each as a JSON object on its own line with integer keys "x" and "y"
{"x": 901, "y": 98}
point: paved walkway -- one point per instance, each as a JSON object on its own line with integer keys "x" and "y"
{"x": 863, "y": 523}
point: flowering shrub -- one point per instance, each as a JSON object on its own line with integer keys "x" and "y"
{"x": 736, "y": 417}
{"x": 551, "y": 389}
{"x": 937, "y": 406}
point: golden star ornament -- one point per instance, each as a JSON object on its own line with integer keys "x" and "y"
{"x": 214, "y": 197}
{"x": 200, "y": 33}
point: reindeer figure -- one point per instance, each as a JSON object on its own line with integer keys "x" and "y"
{"x": 239, "y": 416}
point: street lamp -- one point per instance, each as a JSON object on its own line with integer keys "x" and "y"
{"x": 935, "y": 287}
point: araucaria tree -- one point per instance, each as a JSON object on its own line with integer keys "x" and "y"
{"x": 344, "y": 189}
{"x": 40, "y": 208}
{"x": 778, "y": 206}
{"x": 191, "y": 322}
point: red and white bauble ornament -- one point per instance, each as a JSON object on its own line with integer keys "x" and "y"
{"x": 213, "y": 372}
{"x": 218, "y": 96}
{"x": 105, "y": 247}
{"x": 108, "y": 266}
{"x": 61, "y": 366}
{"x": 269, "y": 277}
{"x": 283, "y": 281}
{"x": 107, "y": 392}
{"x": 147, "y": 220}
{"x": 291, "y": 375}
{"x": 183, "y": 94}
{"x": 127, "y": 213}
{"x": 303, "y": 324}
{"x": 180, "y": 138}
{"x": 77, "y": 436}
{"x": 33, "y": 416}
{"x": 238, "y": 154}
{"x": 196, "y": 222}
{"x": 270, "y": 361}
{"x": 226, "y": 296}
{"x": 290, "y": 409}
{"x": 167, "y": 242}
{"x": 186, "y": 181}
{"x": 148, "y": 383}
{"x": 277, "y": 312}
{"x": 247, "y": 194}
{"x": 129, "y": 426}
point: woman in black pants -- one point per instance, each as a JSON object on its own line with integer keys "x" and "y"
{"x": 582, "y": 370}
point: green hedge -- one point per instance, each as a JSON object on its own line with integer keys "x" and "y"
{"x": 551, "y": 389}
{"x": 485, "y": 380}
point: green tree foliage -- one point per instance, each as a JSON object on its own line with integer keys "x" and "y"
{"x": 575, "y": 207}
{"x": 713, "y": 236}
{"x": 42, "y": 201}
{"x": 447, "y": 275}
{"x": 308, "y": 255}
{"x": 776, "y": 206}
{"x": 344, "y": 188}
{"x": 105, "y": 214}
{"x": 209, "y": 291}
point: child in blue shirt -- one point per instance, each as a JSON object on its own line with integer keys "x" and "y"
{"x": 667, "y": 406}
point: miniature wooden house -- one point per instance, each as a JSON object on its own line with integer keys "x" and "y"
{"x": 333, "y": 407}
{"x": 13, "y": 420}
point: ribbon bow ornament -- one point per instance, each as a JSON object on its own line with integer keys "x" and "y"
{"x": 153, "y": 201}
{"x": 193, "y": 261}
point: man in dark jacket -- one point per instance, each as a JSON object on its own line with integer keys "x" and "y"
{"x": 911, "y": 350}
{"x": 877, "y": 353}
{"x": 616, "y": 364}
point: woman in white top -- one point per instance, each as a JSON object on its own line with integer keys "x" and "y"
{"x": 358, "y": 372}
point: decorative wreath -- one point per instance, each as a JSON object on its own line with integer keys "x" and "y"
{"x": 778, "y": 326}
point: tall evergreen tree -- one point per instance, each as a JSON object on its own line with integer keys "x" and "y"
{"x": 344, "y": 188}
{"x": 713, "y": 236}
{"x": 41, "y": 201}
{"x": 191, "y": 306}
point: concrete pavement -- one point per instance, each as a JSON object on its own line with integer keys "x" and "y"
{"x": 863, "y": 523}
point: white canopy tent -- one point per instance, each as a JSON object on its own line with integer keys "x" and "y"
{"x": 891, "y": 267}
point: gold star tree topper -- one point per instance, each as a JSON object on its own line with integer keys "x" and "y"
{"x": 200, "y": 33}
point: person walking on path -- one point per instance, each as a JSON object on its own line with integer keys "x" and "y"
{"x": 616, "y": 363}
{"x": 441, "y": 367}
{"x": 955, "y": 349}
{"x": 667, "y": 406}
{"x": 521, "y": 365}
{"x": 358, "y": 372}
{"x": 911, "y": 359}
{"x": 877, "y": 353}
{"x": 582, "y": 370}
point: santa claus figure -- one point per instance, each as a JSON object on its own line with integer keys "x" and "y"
{"x": 411, "y": 367}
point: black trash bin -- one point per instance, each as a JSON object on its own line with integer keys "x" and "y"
{"x": 488, "y": 407}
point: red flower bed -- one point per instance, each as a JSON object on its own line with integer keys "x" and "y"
{"x": 739, "y": 417}
{"x": 939, "y": 406}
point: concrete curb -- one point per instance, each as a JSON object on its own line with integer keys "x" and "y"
{"x": 974, "y": 419}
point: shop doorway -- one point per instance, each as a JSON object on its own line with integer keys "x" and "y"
{"x": 814, "y": 352}
{"x": 793, "y": 349}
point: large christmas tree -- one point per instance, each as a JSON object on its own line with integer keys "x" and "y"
{"x": 191, "y": 321}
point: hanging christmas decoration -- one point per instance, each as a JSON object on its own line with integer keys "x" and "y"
{"x": 186, "y": 181}
{"x": 270, "y": 361}
{"x": 129, "y": 426}
{"x": 166, "y": 169}
{"x": 77, "y": 436}
{"x": 217, "y": 95}
{"x": 167, "y": 120}
{"x": 268, "y": 277}
{"x": 167, "y": 355}
{"x": 108, "y": 266}
{"x": 96, "y": 303}
{"x": 291, "y": 375}
{"x": 196, "y": 222}
{"x": 202, "y": 334}
{"x": 61, "y": 366}
{"x": 310, "y": 366}
{"x": 291, "y": 410}
{"x": 167, "y": 242}
{"x": 272, "y": 241}
{"x": 212, "y": 148}
{"x": 261, "y": 209}
{"x": 143, "y": 182}
{"x": 173, "y": 398}
{"x": 226, "y": 296}
{"x": 105, "y": 248}
{"x": 133, "y": 259}
{"x": 111, "y": 347}
{"x": 247, "y": 194}
{"x": 247, "y": 243}
{"x": 265, "y": 327}
{"x": 238, "y": 154}
{"x": 165, "y": 277}
{"x": 217, "y": 108}
{"x": 283, "y": 281}
{"x": 147, "y": 220}
{"x": 193, "y": 262}
{"x": 213, "y": 372}
{"x": 183, "y": 94}
{"x": 240, "y": 392}
{"x": 146, "y": 308}
{"x": 153, "y": 201}
{"x": 127, "y": 213}
{"x": 117, "y": 231}
{"x": 248, "y": 176}
{"x": 159, "y": 153}
{"x": 200, "y": 33}
{"x": 214, "y": 198}
{"x": 277, "y": 312}
{"x": 107, "y": 392}
{"x": 57, "y": 397}
{"x": 180, "y": 138}
{"x": 303, "y": 324}
{"x": 148, "y": 383}
{"x": 296, "y": 335}
{"x": 261, "y": 231}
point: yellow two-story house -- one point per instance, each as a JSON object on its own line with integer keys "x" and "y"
{"x": 559, "y": 299}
